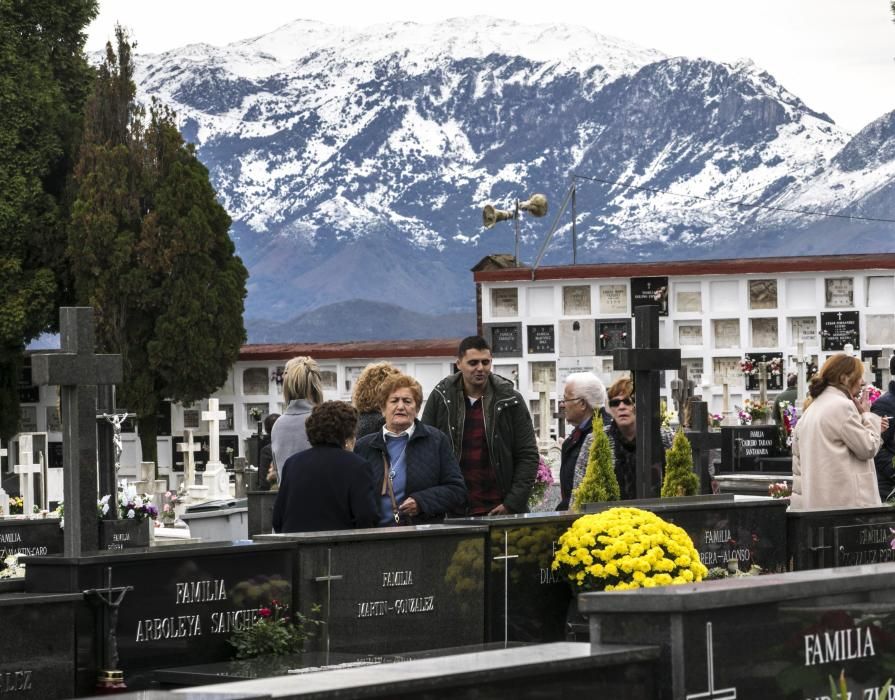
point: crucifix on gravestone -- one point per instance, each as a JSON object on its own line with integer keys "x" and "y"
{"x": 645, "y": 360}
{"x": 110, "y": 677}
{"x": 78, "y": 370}
{"x": 26, "y": 469}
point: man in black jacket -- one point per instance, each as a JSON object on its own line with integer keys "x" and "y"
{"x": 490, "y": 429}
{"x": 885, "y": 406}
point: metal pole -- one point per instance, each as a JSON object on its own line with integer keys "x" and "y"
{"x": 574, "y": 229}
{"x": 516, "y": 227}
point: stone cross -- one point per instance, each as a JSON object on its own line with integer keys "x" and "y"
{"x": 702, "y": 441}
{"x": 729, "y": 418}
{"x": 26, "y": 470}
{"x": 543, "y": 411}
{"x": 215, "y": 479}
{"x": 239, "y": 469}
{"x": 763, "y": 381}
{"x": 78, "y": 370}
{"x": 188, "y": 448}
{"x": 645, "y": 360}
{"x": 801, "y": 361}
{"x": 3, "y": 451}
{"x": 681, "y": 392}
{"x": 214, "y": 416}
{"x": 869, "y": 374}
{"x": 882, "y": 365}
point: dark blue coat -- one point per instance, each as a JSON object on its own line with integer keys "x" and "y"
{"x": 885, "y": 472}
{"x": 434, "y": 479}
{"x": 324, "y": 488}
{"x": 571, "y": 448}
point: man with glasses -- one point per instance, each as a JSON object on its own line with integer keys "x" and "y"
{"x": 490, "y": 429}
{"x": 622, "y": 434}
{"x": 583, "y": 394}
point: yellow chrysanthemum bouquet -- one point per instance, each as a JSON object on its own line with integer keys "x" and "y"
{"x": 624, "y": 548}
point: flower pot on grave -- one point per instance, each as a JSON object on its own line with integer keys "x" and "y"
{"x": 123, "y": 534}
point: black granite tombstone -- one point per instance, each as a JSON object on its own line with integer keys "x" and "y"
{"x": 185, "y": 601}
{"x": 744, "y": 447}
{"x": 541, "y": 339}
{"x": 34, "y": 538}
{"x": 645, "y": 360}
{"x": 781, "y": 636}
{"x": 837, "y": 328}
{"x": 612, "y": 334}
{"x": 775, "y": 381}
{"x": 649, "y": 291}
{"x": 390, "y": 590}
{"x": 37, "y": 648}
{"x": 839, "y": 537}
{"x": 505, "y": 339}
{"x": 702, "y": 442}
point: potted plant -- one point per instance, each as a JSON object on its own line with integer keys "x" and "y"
{"x": 131, "y": 527}
{"x": 679, "y": 477}
{"x": 168, "y": 513}
{"x": 599, "y": 483}
{"x": 543, "y": 480}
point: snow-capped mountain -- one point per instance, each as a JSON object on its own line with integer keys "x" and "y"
{"x": 355, "y": 163}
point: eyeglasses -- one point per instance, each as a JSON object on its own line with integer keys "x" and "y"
{"x": 615, "y": 403}
{"x": 574, "y": 398}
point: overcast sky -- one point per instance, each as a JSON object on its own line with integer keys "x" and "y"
{"x": 837, "y": 55}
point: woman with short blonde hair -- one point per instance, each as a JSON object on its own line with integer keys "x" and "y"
{"x": 302, "y": 390}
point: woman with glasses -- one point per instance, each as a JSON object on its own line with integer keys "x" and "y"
{"x": 835, "y": 440}
{"x": 622, "y": 434}
{"x": 583, "y": 394}
{"x": 326, "y": 487}
{"x": 416, "y": 475}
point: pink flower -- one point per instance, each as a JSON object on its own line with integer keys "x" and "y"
{"x": 264, "y": 612}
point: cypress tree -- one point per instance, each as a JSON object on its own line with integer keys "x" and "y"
{"x": 599, "y": 483}
{"x": 151, "y": 251}
{"x": 44, "y": 82}
{"x": 679, "y": 477}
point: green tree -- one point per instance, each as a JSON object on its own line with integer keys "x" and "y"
{"x": 44, "y": 82}
{"x": 151, "y": 251}
{"x": 679, "y": 477}
{"x": 599, "y": 483}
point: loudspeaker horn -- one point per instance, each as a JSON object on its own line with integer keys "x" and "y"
{"x": 536, "y": 205}
{"x": 491, "y": 216}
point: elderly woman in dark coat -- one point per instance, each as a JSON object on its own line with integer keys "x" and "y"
{"x": 365, "y": 396}
{"x": 417, "y": 476}
{"x": 326, "y": 487}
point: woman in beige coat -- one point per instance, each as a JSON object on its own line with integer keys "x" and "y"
{"x": 835, "y": 441}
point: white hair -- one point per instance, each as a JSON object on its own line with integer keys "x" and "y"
{"x": 588, "y": 386}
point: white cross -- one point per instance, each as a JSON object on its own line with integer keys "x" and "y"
{"x": 505, "y": 558}
{"x": 801, "y": 361}
{"x": 712, "y": 692}
{"x": 26, "y": 471}
{"x": 882, "y": 365}
{"x": 869, "y": 374}
{"x": 214, "y": 416}
{"x": 188, "y": 448}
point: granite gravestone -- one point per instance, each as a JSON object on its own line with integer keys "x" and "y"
{"x": 779, "y": 636}
{"x": 645, "y": 360}
{"x": 541, "y": 339}
{"x": 649, "y": 291}
{"x": 390, "y": 590}
{"x": 505, "y": 339}
{"x": 185, "y": 603}
{"x": 702, "y": 441}
{"x": 743, "y": 447}
{"x": 612, "y": 334}
{"x": 839, "y": 537}
{"x": 775, "y": 381}
{"x": 838, "y": 329}
{"x": 33, "y": 538}
{"x": 78, "y": 370}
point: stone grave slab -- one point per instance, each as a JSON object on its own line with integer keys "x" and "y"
{"x": 391, "y": 590}
{"x": 260, "y": 517}
{"x": 744, "y": 447}
{"x": 838, "y": 329}
{"x": 839, "y": 537}
{"x": 779, "y": 636}
{"x": 34, "y": 538}
{"x": 649, "y": 291}
{"x": 505, "y": 339}
{"x": 541, "y": 339}
{"x": 37, "y": 649}
{"x": 185, "y": 601}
